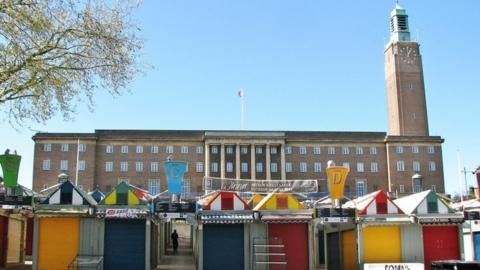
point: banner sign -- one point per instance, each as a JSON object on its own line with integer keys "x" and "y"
{"x": 168, "y": 207}
{"x": 393, "y": 266}
{"x": 175, "y": 171}
{"x": 124, "y": 213}
{"x": 336, "y": 181}
{"x": 15, "y": 200}
{"x": 260, "y": 186}
{"x": 471, "y": 215}
{"x": 429, "y": 220}
{"x": 10, "y": 165}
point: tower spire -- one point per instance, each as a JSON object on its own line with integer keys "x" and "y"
{"x": 399, "y": 30}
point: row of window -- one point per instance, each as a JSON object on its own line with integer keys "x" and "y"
{"x": 154, "y": 149}
{"x": 64, "y": 147}
{"x": 432, "y": 166}
{"x": 361, "y": 187}
{"x": 415, "y": 149}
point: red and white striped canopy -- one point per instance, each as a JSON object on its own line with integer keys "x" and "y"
{"x": 224, "y": 200}
{"x": 375, "y": 203}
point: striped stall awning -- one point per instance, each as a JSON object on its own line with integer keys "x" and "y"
{"x": 226, "y": 219}
{"x": 298, "y": 218}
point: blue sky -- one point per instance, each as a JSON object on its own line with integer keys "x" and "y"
{"x": 304, "y": 65}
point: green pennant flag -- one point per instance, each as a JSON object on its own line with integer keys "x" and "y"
{"x": 10, "y": 165}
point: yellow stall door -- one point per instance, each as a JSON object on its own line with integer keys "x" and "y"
{"x": 381, "y": 244}
{"x": 58, "y": 242}
{"x": 14, "y": 240}
{"x": 349, "y": 250}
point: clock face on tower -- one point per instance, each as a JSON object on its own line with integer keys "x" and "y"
{"x": 408, "y": 55}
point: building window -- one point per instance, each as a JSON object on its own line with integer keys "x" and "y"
{"x": 109, "y": 149}
{"x": 359, "y": 150}
{"x": 47, "y": 147}
{"x": 199, "y": 150}
{"x": 154, "y": 149}
{"x": 214, "y": 149}
{"x": 154, "y": 167}
{"x": 346, "y": 165}
{"x": 214, "y": 167}
{"x": 229, "y": 149}
{"x": 124, "y": 180}
{"x": 360, "y": 167}
{"x": 416, "y": 166}
{"x": 169, "y": 149}
{"x": 273, "y": 167}
{"x": 108, "y": 166}
{"x": 154, "y": 186}
{"x": 361, "y": 188}
{"x": 432, "y": 166}
{"x": 64, "y": 147}
{"x": 184, "y": 149}
{"x": 259, "y": 167}
{"x": 185, "y": 188}
{"x": 229, "y": 167}
{"x": 317, "y": 166}
{"x": 244, "y": 149}
{"x": 431, "y": 150}
{"x": 402, "y": 188}
{"x": 302, "y": 150}
{"x": 399, "y": 149}
{"x": 199, "y": 167}
{"x": 273, "y": 150}
{"x": 400, "y": 166}
{"x": 345, "y": 150}
{"x": 317, "y": 150}
{"x": 303, "y": 167}
{"x": 417, "y": 185}
{"x": 186, "y": 166}
{"x": 288, "y": 150}
{"x": 331, "y": 150}
{"x": 63, "y": 165}
{"x": 82, "y": 147}
{"x": 124, "y": 149}
{"x": 288, "y": 167}
{"x": 124, "y": 166}
{"x": 46, "y": 165}
{"x": 415, "y": 149}
{"x": 374, "y": 167}
{"x": 81, "y": 165}
{"x": 434, "y": 188}
{"x": 139, "y": 166}
{"x": 373, "y": 150}
{"x": 139, "y": 149}
{"x": 259, "y": 150}
{"x": 244, "y": 167}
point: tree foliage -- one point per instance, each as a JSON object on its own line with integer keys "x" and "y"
{"x": 55, "y": 53}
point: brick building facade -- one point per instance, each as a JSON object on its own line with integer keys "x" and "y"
{"x": 405, "y": 160}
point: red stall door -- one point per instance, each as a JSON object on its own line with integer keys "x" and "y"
{"x": 295, "y": 239}
{"x": 29, "y": 238}
{"x": 3, "y": 240}
{"x": 440, "y": 243}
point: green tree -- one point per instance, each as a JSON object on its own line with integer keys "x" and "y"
{"x": 56, "y": 53}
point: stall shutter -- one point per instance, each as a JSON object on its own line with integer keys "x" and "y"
{"x": 321, "y": 247}
{"x": 14, "y": 240}
{"x": 333, "y": 250}
{"x": 91, "y": 236}
{"x": 223, "y": 247}
{"x": 349, "y": 250}
{"x": 440, "y": 243}
{"x": 412, "y": 248}
{"x": 381, "y": 244}
{"x": 295, "y": 239}
{"x": 58, "y": 242}
{"x": 29, "y": 237}
{"x": 3, "y": 240}
{"x": 477, "y": 245}
{"x": 124, "y": 244}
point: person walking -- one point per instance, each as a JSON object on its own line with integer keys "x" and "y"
{"x": 175, "y": 241}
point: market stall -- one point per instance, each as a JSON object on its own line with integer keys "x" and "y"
{"x": 125, "y": 209}
{"x": 287, "y": 223}
{"x": 222, "y": 232}
{"x": 440, "y": 226}
{"x": 58, "y": 224}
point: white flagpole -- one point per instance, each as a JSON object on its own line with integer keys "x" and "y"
{"x": 460, "y": 176}
{"x": 78, "y": 155}
{"x": 242, "y": 110}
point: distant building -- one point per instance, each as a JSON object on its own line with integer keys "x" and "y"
{"x": 405, "y": 160}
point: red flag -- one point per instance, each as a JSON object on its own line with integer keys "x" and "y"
{"x": 240, "y": 92}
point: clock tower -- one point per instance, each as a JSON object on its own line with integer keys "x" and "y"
{"x": 407, "y": 109}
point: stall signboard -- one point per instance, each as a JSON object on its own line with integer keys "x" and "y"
{"x": 261, "y": 186}
{"x": 443, "y": 220}
{"x": 169, "y": 207}
{"x": 175, "y": 171}
{"x": 15, "y": 200}
{"x": 335, "y": 212}
{"x": 124, "y": 213}
{"x": 10, "y": 165}
{"x": 471, "y": 215}
{"x": 393, "y": 266}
